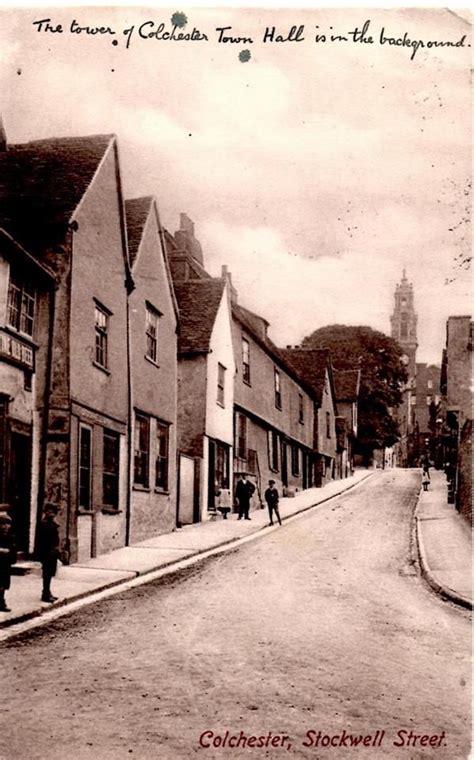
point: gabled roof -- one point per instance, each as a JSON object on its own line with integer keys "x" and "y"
{"x": 311, "y": 365}
{"x": 198, "y": 304}
{"x": 347, "y": 384}
{"x": 137, "y": 211}
{"x": 15, "y": 253}
{"x": 41, "y": 184}
{"x": 254, "y": 322}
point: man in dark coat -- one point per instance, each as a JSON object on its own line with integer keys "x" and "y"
{"x": 243, "y": 494}
{"x": 7, "y": 558}
{"x": 272, "y": 499}
{"x": 48, "y": 549}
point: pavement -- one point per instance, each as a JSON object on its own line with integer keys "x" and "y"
{"x": 444, "y": 540}
{"x": 444, "y": 543}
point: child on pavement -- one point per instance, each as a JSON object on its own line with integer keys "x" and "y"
{"x": 7, "y": 558}
{"x": 272, "y": 498}
{"x": 48, "y": 549}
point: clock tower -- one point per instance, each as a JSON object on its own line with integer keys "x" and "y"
{"x": 404, "y": 322}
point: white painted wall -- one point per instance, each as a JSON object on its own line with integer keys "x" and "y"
{"x": 219, "y": 420}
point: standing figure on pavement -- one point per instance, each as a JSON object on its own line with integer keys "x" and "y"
{"x": 243, "y": 493}
{"x": 272, "y": 499}
{"x": 7, "y": 558}
{"x": 48, "y": 549}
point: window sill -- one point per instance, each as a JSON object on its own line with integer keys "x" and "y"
{"x": 152, "y": 361}
{"x": 88, "y": 512}
{"x": 272, "y": 469}
{"x": 138, "y": 487}
{"x": 247, "y": 382}
{"x": 162, "y": 491}
{"x": 222, "y": 406}
{"x": 104, "y": 369}
{"x": 278, "y": 407}
{"x": 110, "y": 511}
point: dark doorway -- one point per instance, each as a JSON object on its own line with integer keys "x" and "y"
{"x": 211, "y": 484}
{"x": 20, "y": 487}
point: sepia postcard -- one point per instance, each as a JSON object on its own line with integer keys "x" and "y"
{"x": 235, "y": 382}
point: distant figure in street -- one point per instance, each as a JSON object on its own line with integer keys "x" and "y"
{"x": 425, "y": 463}
{"x": 272, "y": 498}
{"x": 425, "y": 479}
{"x": 7, "y": 558}
{"x": 243, "y": 493}
{"x": 48, "y": 549}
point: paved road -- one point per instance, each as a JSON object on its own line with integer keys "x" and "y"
{"x": 317, "y": 631}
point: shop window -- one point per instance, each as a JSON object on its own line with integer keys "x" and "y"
{"x": 162, "y": 456}
{"x": 241, "y": 435}
{"x": 141, "y": 450}
{"x": 85, "y": 467}
{"x": 111, "y": 468}
{"x": 273, "y": 459}
{"x": 295, "y": 459}
{"x": 222, "y": 465}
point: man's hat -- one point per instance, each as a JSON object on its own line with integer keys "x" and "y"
{"x": 271, "y": 482}
{"x": 49, "y": 506}
{"x": 5, "y": 519}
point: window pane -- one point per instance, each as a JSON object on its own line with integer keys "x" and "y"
{"x": 101, "y": 328}
{"x": 142, "y": 450}
{"x": 161, "y": 472}
{"x": 111, "y": 468}
{"x": 151, "y": 334}
{"x": 85, "y": 451}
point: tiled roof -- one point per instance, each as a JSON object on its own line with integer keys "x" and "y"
{"x": 311, "y": 365}
{"x": 253, "y": 321}
{"x": 136, "y": 212}
{"x": 347, "y": 384}
{"x": 198, "y": 303}
{"x": 42, "y": 183}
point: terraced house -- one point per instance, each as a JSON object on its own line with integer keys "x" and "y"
{"x": 26, "y": 297}
{"x": 153, "y": 320}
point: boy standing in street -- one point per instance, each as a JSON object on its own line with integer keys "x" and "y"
{"x": 48, "y": 549}
{"x": 272, "y": 499}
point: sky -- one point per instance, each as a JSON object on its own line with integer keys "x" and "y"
{"x": 316, "y": 171}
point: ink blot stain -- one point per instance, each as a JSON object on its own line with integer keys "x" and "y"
{"x": 18, "y": 71}
{"x": 179, "y": 19}
{"x": 114, "y": 42}
{"x": 244, "y": 56}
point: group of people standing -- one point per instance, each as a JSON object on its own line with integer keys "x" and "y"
{"x": 244, "y": 492}
{"x": 48, "y": 553}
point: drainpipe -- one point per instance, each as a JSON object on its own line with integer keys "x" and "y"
{"x": 129, "y": 422}
{"x": 46, "y": 405}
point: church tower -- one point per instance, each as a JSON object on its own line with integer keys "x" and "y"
{"x": 404, "y": 322}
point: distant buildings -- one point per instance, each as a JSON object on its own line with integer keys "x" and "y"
{"x": 455, "y": 421}
{"x": 418, "y": 411}
{"x": 135, "y": 387}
